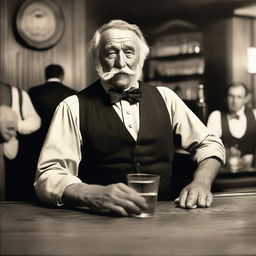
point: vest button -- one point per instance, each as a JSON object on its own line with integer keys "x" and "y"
{"x": 130, "y": 125}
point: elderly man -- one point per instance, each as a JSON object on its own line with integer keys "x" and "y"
{"x": 119, "y": 125}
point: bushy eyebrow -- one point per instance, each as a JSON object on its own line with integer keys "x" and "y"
{"x": 127, "y": 44}
{"x": 130, "y": 47}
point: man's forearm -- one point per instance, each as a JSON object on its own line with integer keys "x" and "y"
{"x": 76, "y": 194}
{"x": 207, "y": 171}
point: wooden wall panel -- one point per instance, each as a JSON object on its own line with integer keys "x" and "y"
{"x": 24, "y": 68}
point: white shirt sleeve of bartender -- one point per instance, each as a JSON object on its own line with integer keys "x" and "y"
{"x": 60, "y": 155}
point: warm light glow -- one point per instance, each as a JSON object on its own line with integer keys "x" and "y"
{"x": 251, "y": 64}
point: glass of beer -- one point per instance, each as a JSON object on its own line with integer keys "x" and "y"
{"x": 147, "y": 186}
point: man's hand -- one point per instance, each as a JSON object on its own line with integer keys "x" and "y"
{"x": 198, "y": 192}
{"x": 195, "y": 195}
{"x": 8, "y": 123}
{"x": 117, "y": 199}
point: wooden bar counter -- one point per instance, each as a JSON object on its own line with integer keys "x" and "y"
{"x": 227, "y": 228}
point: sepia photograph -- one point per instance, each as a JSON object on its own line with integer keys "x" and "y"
{"x": 127, "y": 128}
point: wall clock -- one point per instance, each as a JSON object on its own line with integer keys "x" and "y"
{"x": 40, "y": 23}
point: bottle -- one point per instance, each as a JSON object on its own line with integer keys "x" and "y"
{"x": 201, "y": 105}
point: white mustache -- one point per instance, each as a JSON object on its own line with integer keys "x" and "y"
{"x": 108, "y": 75}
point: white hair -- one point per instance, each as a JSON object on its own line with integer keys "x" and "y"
{"x": 122, "y": 25}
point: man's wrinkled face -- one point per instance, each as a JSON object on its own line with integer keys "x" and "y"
{"x": 119, "y": 57}
{"x": 236, "y": 98}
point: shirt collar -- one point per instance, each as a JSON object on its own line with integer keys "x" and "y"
{"x": 108, "y": 86}
{"x": 239, "y": 113}
{"x": 53, "y": 79}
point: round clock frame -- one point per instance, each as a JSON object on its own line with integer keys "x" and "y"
{"x": 40, "y": 23}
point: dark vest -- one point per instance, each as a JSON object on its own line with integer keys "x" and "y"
{"x": 110, "y": 152}
{"x": 247, "y": 144}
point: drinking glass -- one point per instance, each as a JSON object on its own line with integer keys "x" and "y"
{"x": 147, "y": 186}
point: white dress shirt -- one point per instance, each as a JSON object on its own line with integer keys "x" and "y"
{"x": 61, "y": 155}
{"x": 30, "y": 122}
{"x": 237, "y": 126}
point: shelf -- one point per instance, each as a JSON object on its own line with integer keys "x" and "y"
{"x": 166, "y": 68}
{"x": 178, "y": 78}
{"x": 176, "y": 58}
{"x": 185, "y": 89}
{"x": 177, "y": 44}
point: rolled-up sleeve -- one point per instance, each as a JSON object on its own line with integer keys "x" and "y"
{"x": 60, "y": 156}
{"x": 192, "y": 134}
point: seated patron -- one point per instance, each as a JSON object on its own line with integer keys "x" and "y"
{"x": 120, "y": 125}
{"x": 236, "y": 126}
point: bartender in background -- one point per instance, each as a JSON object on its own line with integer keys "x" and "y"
{"x": 236, "y": 127}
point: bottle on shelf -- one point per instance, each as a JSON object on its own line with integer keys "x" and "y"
{"x": 201, "y": 105}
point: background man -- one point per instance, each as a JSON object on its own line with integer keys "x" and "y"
{"x": 47, "y": 96}
{"x": 8, "y": 130}
{"x": 119, "y": 125}
{"x": 237, "y": 125}
{"x": 27, "y": 121}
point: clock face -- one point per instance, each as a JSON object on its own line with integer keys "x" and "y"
{"x": 40, "y": 23}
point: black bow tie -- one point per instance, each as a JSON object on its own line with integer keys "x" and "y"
{"x": 132, "y": 96}
{"x": 234, "y": 116}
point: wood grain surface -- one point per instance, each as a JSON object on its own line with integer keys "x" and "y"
{"x": 227, "y": 228}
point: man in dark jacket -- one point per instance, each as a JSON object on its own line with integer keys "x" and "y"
{"x": 47, "y": 96}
